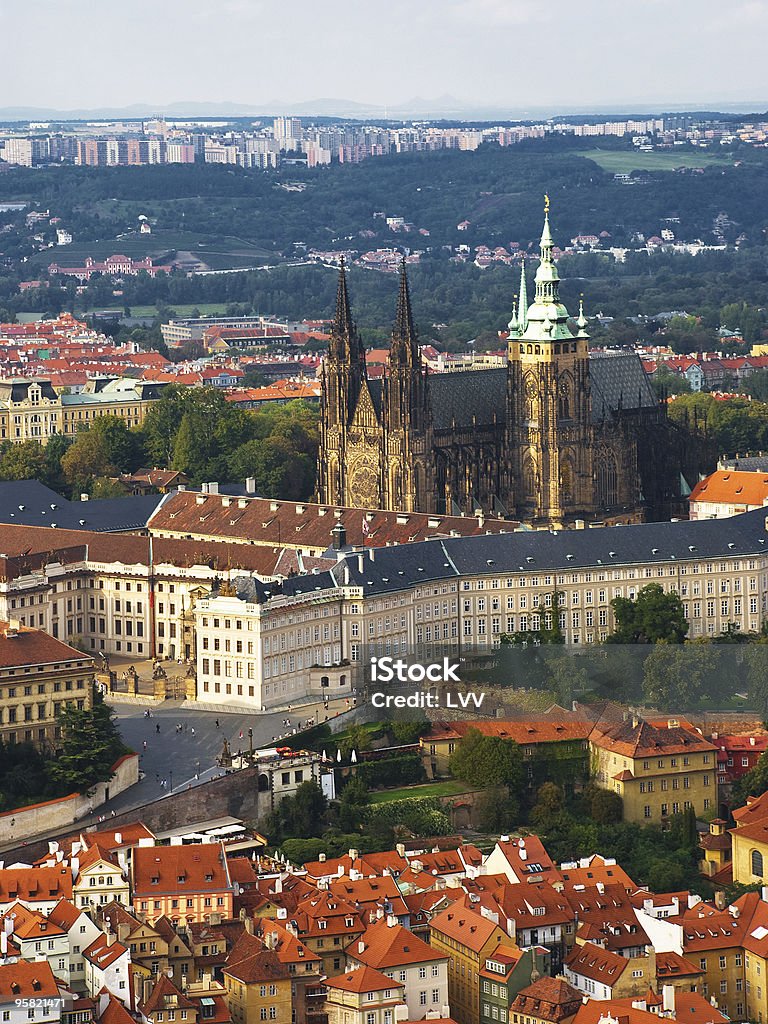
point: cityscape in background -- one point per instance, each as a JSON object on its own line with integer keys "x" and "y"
{"x": 298, "y": 141}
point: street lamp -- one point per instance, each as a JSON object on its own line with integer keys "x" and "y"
{"x": 170, "y": 776}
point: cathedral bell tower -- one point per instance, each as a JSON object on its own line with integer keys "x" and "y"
{"x": 406, "y": 416}
{"x": 344, "y": 383}
{"x": 549, "y": 406}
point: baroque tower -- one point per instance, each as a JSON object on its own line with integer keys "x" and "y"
{"x": 549, "y": 406}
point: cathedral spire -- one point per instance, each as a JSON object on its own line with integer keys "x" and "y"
{"x": 522, "y": 316}
{"x": 404, "y": 327}
{"x": 547, "y": 243}
{"x": 546, "y": 318}
{"x": 405, "y": 346}
{"x": 343, "y": 324}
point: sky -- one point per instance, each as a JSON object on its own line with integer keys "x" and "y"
{"x": 503, "y": 54}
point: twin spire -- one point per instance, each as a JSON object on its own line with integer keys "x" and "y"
{"x": 405, "y": 346}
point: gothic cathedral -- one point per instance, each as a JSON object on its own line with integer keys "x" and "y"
{"x": 555, "y": 436}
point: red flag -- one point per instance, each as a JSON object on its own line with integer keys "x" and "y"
{"x": 241, "y": 734}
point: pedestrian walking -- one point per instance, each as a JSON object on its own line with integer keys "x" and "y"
{"x": 145, "y": 744}
{"x": 217, "y": 723}
{"x": 193, "y": 730}
{"x": 157, "y": 727}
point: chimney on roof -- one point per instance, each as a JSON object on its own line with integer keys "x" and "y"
{"x": 248, "y": 923}
{"x": 84, "y": 497}
{"x": 361, "y": 946}
{"x": 668, "y": 999}
{"x": 391, "y": 921}
{"x": 250, "y": 485}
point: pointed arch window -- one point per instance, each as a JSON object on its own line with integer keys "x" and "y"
{"x": 607, "y": 479}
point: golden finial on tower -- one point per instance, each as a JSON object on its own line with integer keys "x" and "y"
{"x": 546, "y": 203}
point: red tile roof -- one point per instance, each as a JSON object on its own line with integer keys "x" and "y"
{"x": 363, "y": 980}
{"x": 590, "y": 961}
{"x": 35, "y": 885}
{"x": 305, "y": 525}
{"x": 200, "y": 868}
{"x": 464, "y": 926}
{"x": 733, "y": 487}
{"x": 27, "y": 646}
{"x": 103, "y": 953}
{"x": 24, "y": 980}
{"x": 385, "y": 945}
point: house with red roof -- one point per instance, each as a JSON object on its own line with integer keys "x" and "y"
{"x": 184, "y": 883}
{"x": 357, "y": 997}
{"x": 728, "y": 492}
{"x": 108, "y": 966}
{"x": 399, "y": 954}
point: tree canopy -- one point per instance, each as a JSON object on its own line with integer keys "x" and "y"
{"x": 649, "y": 618}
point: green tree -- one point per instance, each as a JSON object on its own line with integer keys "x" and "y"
{"x": 485, "y": 761}
{"x": 90, "y": 745}
{"x": 85, "y": 459}
{"x": 302, "y": 814}
{"x": 676, "y": 675}
{"x": 652, "y": 616}
{"x": 355, "y": 738}
{"x": 498, "y": 810}
{"x": 605, "y": 807}
{"x": 279, "y": 470}
{"x": 25, "y": 461}
{"x": 756, "y": 675}
{"x": 354, "y": 800}
{"x": 549, "y": 804}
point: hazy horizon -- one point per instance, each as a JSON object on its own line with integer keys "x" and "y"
{"x": 477, "y": 54}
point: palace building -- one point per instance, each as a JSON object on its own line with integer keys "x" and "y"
{"x": 554, "y": 436}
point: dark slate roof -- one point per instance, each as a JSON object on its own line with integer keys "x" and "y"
{"x": 748, "y": 463}
{"x": 394, "y": 568}
{"x": 390, "y": 569}
{"x": 256, "y": 591}
{"x": 30, "y": 503}
{"x": 619, "y": 381}
{"x": 472, "y": 393}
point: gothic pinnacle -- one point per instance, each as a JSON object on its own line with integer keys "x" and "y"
{"x": 342, "y": 323}
{"x": 404, "y": 327}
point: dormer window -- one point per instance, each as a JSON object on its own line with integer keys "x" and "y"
{"x": 155, "y": 880}
{"x": 349, "y": 922}
{"x": 209, "y": 878}
{"x": 322, "y": 925}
